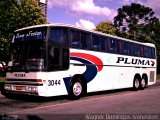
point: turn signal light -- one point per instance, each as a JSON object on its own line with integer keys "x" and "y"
{"x": 39, "y": 80}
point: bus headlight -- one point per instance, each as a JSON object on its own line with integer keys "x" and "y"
{"x": 32, "y": 89}
{"x": 29, "y": 88}
{"x": 7, "y": 87}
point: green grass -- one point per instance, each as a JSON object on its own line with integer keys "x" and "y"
{"x": 158, "y": 77}
{"x": 2, "y": 79}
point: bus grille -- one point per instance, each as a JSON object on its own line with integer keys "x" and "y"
{"x": 23, "y": 82}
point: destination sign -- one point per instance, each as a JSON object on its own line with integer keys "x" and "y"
{"x": 29, "y": 35}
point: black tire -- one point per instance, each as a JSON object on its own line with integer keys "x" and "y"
{"x": 136, "y": 83}
{"x": 77, "y": 88}
{"x": 143, "y": 83}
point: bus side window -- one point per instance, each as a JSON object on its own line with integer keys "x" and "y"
{"x": 138, "y": 50}
{"x": 54, "y": 56}
{"x": 85, "y": 40}
{"x": 75, "y": 38}
{"x": 65, "y": 58}
{"x": 103, "y": 43}
{"x": 150, "y": 52}
{"x": 95, "y": 42}
{"x": 127, "y": 48}
{"x": 147, "y": 52}
{"x": 118, "y": 47}
{"x": 142, "y": 51}
{"x": 59, "y": 35}
{"x": 111, "y": 45}
{"x": 131, "y": 48}
{"x": 58, "y": 58}
{"x": 153, "y": 53}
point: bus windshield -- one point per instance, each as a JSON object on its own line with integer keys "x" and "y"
{"x": 28, "y": 56}
{"x": 28, "y": 50}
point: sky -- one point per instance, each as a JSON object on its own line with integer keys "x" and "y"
{"x": 88, "y": 13}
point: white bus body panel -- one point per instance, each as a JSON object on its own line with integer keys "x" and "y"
{"x": 117, "y": 75}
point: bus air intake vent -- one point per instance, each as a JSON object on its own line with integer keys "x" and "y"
{"x": 152, "y": 76}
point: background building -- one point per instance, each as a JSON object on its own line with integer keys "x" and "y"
{"x": 43, "y": 5}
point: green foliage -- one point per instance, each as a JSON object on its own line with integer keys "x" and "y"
{"x": 131, "y": 15}
{"x": 106, "y": 27}
{"x": 2, "y": 79}
{"x": 4, "y": 48}
{"x": 158, "y": 77}
{"x": 30, "y": 14}
{"x": 135, "y": 22}
{"x": 16, "y": 15}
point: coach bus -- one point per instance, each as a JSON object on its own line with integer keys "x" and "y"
{"x": 58, "y": 59}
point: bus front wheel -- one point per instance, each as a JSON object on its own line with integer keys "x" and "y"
{"x": 77, "y": 88}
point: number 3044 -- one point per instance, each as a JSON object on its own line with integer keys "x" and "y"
{"x": 54, "y": 82}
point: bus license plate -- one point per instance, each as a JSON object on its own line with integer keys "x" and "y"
{"x": 20, "y": 87}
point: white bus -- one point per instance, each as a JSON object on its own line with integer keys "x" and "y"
{"x": 58, "y": 59}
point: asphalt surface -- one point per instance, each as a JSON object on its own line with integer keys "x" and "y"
{"x": 119, "y": 104}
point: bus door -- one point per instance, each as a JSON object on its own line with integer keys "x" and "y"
{"x": 58, "y": 56}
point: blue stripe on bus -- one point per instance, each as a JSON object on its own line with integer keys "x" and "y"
{"x": 89, "y": 74}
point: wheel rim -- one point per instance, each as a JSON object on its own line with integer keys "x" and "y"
{"x": 77, "y": 89}
{"x": 136, "y": 84}
{"x": 143, "y": 83}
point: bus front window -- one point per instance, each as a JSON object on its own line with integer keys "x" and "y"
{"x": 29, "y": 55}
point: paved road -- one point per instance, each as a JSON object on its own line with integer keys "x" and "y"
{"x": 124, "y": 103}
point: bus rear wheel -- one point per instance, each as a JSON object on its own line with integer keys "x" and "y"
{"x": 136, "y": 84}
{"x": 143, "y": 84}
{"x": 77, "y": 88}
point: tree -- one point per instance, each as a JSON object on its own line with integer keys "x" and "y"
{"x": 133, "y": 20}
{"x": 30, "y": 14}
{"x": 156, "y": 36}
{"x": 106, "y": 27}
{"x": 7, "y": 11}
{"x": 16, "y": 15}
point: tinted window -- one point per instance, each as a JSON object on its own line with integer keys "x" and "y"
{"x": 85, "y": 39}
{"x": 147, "y": 52}
{"x": 59, "y": 35}
{"x": 65, "y": 58}
{"x": 28, "y": 55}
{"x": 138, "y": 50}
{"x": 103, "y": 43}
{"x": 118, "y": 46}
{"x": 112, "y": 44}
{"x": 153, "y": 53}
{"x": 58, "y": 58}
{"x": 127, "y": 48}
{"x": 75, "y": 38}
{"x": 54, "y": 56}
{"x": 95, "y": 42}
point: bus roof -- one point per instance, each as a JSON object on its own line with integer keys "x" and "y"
{"x": 79, "y": 28}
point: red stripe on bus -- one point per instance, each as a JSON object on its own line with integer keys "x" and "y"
{"x": 89, "y": 57}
